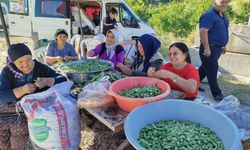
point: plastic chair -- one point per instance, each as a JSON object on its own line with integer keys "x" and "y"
{"x": 89, "y": 44}
{"x": 40, "y": 53}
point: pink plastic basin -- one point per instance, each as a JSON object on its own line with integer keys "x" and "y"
{"x": 129, "y": 104}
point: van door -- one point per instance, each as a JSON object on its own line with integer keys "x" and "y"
{"x": 49, "y": 16}
{"x": 19, "y": 18}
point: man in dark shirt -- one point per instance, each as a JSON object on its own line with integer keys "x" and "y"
{"x": 214, "y": 37}
{"x": 110, "y": 22}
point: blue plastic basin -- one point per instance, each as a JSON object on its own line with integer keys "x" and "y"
{"x": 182, "y": 110}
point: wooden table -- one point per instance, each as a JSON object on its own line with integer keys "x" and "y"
{"x": 114, "y": 117}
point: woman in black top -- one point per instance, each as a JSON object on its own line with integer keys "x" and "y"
{"x": 21, "y": 76}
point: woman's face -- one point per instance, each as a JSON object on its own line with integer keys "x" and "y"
{"x": 176, "y": 56}
{"x": 61, "y": 38}
{"x": 24, "y": 64}
{"x": 110, "y": 39}
{"x": 140, "y": 48}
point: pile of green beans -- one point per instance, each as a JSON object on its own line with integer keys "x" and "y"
{"x": 178, "y": 135}
{"x": 141, "y": 92}
{"x": 86, "y": 66}
{"x": 113, "y": 76}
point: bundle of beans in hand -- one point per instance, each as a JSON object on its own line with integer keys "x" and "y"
{"x": 170, "y": 135}
{"x": 141, "y": 92}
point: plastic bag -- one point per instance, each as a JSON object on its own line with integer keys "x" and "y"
{"x": 53, "y": 118}
{"x": 95, "y": 94}
{"x": 230, "y": 107}
{"x": 229, "y": 103}
{"x": 242, "y": 121}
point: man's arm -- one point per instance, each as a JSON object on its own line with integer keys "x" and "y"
{"x": 204, "y": 41}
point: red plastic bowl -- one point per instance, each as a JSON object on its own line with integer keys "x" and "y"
{"x": 129, "y": 104}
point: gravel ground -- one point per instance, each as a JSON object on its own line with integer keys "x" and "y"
{"x": 237, "y": 86}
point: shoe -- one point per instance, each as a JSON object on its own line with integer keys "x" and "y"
{"x": 219, "y": 97}
{"x": 201, "y": 89}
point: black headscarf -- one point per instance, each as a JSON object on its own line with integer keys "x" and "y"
{"x": 150, "y": 46}
{"x": 15, "y": 52}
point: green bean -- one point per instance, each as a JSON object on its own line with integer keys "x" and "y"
{"x": 181, "y": 135}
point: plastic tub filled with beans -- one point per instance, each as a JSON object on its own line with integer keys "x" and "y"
{"x": 179, "y": 124}
{"x": 132, "y": 92}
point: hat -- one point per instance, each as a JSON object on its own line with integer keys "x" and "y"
{"x": 18, "y": 50}
{"x": 60, "y": 31}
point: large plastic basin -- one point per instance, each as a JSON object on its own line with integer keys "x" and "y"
{"x": 182, "y": 110}
{"x": 129, "y": 104}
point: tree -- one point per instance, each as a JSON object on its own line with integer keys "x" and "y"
{"x": 180, "y": 17}
{"x": 239, "y": 11}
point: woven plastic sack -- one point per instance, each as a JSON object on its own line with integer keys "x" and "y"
{"x": 53, "y": 118}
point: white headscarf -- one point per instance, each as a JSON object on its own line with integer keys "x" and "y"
{"x": 111, "y": 48}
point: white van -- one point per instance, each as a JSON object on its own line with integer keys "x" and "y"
{"x": 43, "y": 17}
{"x": 5, "y": 14}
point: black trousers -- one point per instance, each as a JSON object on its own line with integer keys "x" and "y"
{"x": 209, "y": 67}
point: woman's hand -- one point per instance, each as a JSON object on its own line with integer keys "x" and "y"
{"x": 67, "y": 58}
{"x": 90, "y": 54}
{"x": 43, "y": 82}
{"x": 59, "y": 59}
{"x": 28, "y": 88}
{"x": 151, "y": 72}
{"x": 124, "y": 69}
{"x": 163, "y": 74}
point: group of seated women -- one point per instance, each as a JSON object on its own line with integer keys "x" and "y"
{"x": 179, "y": 73}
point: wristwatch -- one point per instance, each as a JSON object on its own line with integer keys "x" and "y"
{"x": 175, "y": 78}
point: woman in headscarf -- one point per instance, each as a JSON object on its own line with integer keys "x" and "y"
{"x": 109, "y": 50}
{"x": 17, "y": 79}
{"x": 148, "y": 55}
{"x": 60, "y": 50}
{"x": 179, "y": 73}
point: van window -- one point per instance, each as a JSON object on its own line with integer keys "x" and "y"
{"x": 19, "y": 7}
{"x": 52, "y": 8}
{"x": 125, "y": 17}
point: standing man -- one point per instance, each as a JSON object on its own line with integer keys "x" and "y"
{"x": 214, "y": 36}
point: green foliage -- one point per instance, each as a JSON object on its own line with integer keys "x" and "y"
{"x": 239, "y": 11}
{"x": 180, "y": 17}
